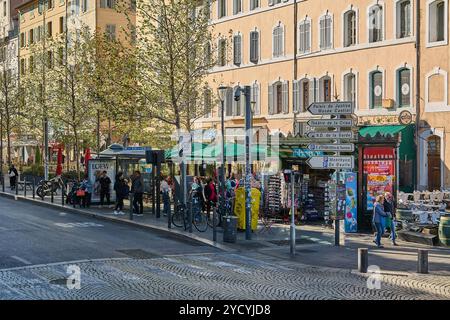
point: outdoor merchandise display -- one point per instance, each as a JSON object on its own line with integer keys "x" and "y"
{"x": 351, "y": 201}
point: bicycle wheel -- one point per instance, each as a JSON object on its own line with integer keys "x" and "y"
{"x": 210, "y": 219}
{"x": 200, "y": 222}
{"x": 40, "y": 192}
{"x": 177, "y": 218}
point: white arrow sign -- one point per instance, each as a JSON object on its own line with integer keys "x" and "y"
{"x": 324, "y": 162}
{"x": 331, "y": 108}
{"x": 331, "y": 123}
{"x": 331, "y": 135}
{"x": 346, "y": 147}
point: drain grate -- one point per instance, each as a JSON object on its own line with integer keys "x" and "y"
{"x": 139, "y": 254}
{"x": 59, "y": 282}
{"x": 286, "y": 242}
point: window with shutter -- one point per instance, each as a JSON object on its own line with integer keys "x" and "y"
{"x": 304, "y": 37}
{"x": 285, "y": 98}
{"x": 254, "y": 47}
{"x": 255, "y": 97}
{"x": 295, "y": 95}
{"x": 271, "y": 99}
{"x": 404, "y": 87}
{"x": 350, "y": 87}
{"x": 229, "y": 102}
{"x": 375, "y": 23}
{"x": 237, "y": 50}
{"x": 313, "y": 91}
{"x": 376, "y": 89}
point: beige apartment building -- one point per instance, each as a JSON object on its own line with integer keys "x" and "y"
{"x": 294, "y": 53}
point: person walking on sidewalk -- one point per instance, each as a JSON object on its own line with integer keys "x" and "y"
{"x": 13, "y": 174}
{"x": 137, "y": 189}
{"x": 86, "y": 185}
{"x": 105, "y": 185}
{"x": 389, "y": 208}
{"x": 165, "y": 190}
{"x": 378, "y": 216}
{"x": 121, "y": 189}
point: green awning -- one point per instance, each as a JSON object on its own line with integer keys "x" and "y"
{"x": 372, "y": 131}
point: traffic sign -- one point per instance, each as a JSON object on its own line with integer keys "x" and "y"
{"x": 324, "y": 162}
{"x": 331, "y": 108}
{"x": 331, "y": 135}
{"x": 345, "y": 147}
{"x": 331, "y": 123}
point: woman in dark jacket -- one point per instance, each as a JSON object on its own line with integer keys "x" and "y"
{"x": 120, "y": 187}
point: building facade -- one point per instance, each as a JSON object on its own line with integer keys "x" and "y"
{"x": 389, "y": 57}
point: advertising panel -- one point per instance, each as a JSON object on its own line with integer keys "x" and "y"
{"x": 96, "y": 167}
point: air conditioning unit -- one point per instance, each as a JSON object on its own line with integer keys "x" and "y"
{"x": 388, "y": 103}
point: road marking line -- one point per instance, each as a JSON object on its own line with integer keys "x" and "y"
{"x": 21, "y": 260}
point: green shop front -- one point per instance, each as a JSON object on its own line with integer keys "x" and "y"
{"x": 387, "y": 161}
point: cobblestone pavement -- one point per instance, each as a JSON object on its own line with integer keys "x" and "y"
{"x": 212, "y": 276}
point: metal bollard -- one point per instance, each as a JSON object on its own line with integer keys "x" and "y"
{"x": 214, "y": 223}
{"x": 363, "y": 259}
{"x": 131, "y": 206}
{"x": 63, "y": 188}
{"x": 34, "y": 187}
{"x": 25, "y": 187}
{"x": 422, "y": 261}
{"x": 190, "y": 216}
{"x": 17, "y": 186}
{"x": 51, "y": 192}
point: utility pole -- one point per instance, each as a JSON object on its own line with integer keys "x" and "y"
{"x": 248, "y": 174}
{"x": 43, "y": 90}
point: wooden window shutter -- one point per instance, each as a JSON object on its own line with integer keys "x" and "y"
{"x": 285, "y": 97}
{"x": 270, "y": 96}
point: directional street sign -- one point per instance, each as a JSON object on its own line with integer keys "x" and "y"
{"x": 331, "y": 108}
{"x": 331, "y": 123}
{"x": 331, "y": 135}
{"x": 345, "y": 147}
{"x": 324, "y": 162}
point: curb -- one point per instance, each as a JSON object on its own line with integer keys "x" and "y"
{"x": 179, "y": 234}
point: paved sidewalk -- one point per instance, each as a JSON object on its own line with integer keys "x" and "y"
{"x": 315, "y": 244}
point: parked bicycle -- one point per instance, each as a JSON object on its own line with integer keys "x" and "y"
{"x": 221, "y": 212}
{"x": 180, "y": 218}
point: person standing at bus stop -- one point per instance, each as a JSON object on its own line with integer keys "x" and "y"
{"x": 105, "y": 185}
{"x": 137, "y": 189}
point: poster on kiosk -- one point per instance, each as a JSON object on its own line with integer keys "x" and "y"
{"x": 351, "y": 201}
{"x": 96, "y": 167}
{"x": 379, "y": 167}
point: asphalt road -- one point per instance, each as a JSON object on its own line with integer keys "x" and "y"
{"x": 31, "y": 235}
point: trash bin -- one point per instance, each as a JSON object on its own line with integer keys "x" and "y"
{"x": 229, "y": 229}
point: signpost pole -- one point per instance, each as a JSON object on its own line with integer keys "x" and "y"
{"x": 292, "y": 214}
{"x": 336, "y": 218}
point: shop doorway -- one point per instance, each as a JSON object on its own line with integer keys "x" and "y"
{"x": 434, "y": 163}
